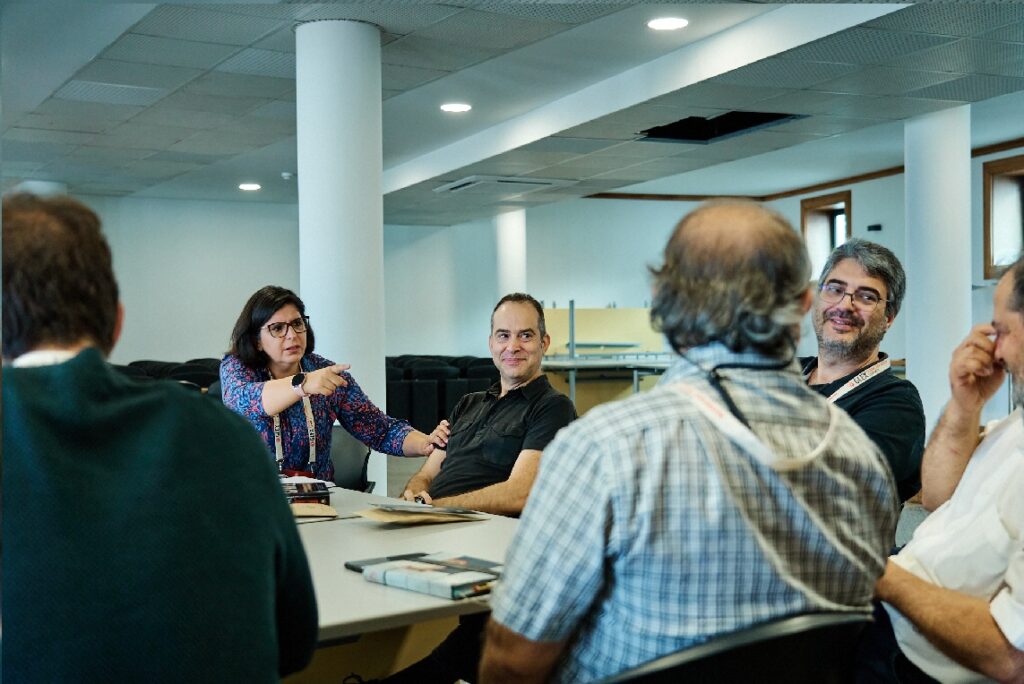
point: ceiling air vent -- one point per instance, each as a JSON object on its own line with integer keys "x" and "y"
{"x": 695, "y": 129}
{"x": 500, "y": 187}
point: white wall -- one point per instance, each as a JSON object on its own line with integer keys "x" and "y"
{"x": 440, "y": 284}
{"x": 186, "y": 269}
{"x": 597, "y": 251}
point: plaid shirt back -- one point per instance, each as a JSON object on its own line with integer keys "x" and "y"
{"x": 648, "y": 530}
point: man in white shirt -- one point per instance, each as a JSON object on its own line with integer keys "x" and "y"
{"x": 955, "y": 592}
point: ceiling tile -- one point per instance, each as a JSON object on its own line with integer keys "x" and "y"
{"x": 201, "y": 102}
{"x": 825, "y": 125}
{"x": 239, "y": 85}
{"x": 219, "y": 141}
{"x": 187, "y": 157}
{"x": 565, "y": 13}
{"x": 203, "y": 25}
{"x": 397, "y": 18}
{"x": 162, "y": 115}
{"x": 490, "y": 31}
{"x": 883, "y": 81}
{"x": 784, "y": 73}
{"x": 1014, "y": 33}
{"x": 951, "y": 19}
{"x": 42, "y": 135}
{"x": 109, "y": 93}
{"x": 900, "y": 107}
{"x": 278, "y": 109}
{"x": 427, "y": 53}
{"x": 260, "y": 63}
{"x": 133, "y": 47}
{"x": 158, "y": 169}
{"x": 640, "y": 149}
{"x": 488, "y": 167}
{"x": 394, "y": 77}
{"x": 37, "y": 152}
{"x": 603, "y": 130}
{"x": 67, "y": 122}
{"x": 971, "y": 88}
{"x": 282, "y": 40}
{"x": 567, "y": 144}
{"x": 803, "y": 102}
{"x": 632, "y": 174}
{"x": 142, "y": 135}
{"x": 135, "y": 74}
{"x": 864, "y": 46}
{"x": 717, "y": 96}
{"x": 109, "y": 155}
{"x": 969, "y": 56}
{"x": 88, "y": 110}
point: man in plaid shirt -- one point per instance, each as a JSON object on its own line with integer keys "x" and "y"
{"x": 729, "y": 495}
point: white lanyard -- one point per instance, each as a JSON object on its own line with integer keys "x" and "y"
{"x": 743, "y": 437}
{"x": 858, "y": 379}
{"x": 310, "y": 428}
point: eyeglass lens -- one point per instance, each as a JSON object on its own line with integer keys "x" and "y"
{"x": 280, "y": 329}
{"x": 864, "y": 299}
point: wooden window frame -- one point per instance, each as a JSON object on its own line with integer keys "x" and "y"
{"x": 1010, "y": 166}
{"x": 813, "y": 205}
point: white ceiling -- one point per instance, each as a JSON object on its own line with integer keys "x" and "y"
{"x": 186, "y": 101}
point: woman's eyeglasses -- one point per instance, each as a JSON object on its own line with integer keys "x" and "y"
{"x": 280, "y": 329}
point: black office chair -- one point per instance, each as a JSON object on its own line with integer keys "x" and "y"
{"x": 351, "y": 459}
{"x": 814, "y": 648}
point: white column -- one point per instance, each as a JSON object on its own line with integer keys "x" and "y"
{"x": 937, "y": 152}
{"x": 510, "y": 238}
{"x": 341, "y": 231}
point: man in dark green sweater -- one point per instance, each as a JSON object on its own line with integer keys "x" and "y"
{"x": 146, "y": 537}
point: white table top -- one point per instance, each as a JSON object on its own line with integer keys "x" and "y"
{"x": 348, "y": 604}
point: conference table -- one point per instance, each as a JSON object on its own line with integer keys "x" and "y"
{"x": 350, "y": 606}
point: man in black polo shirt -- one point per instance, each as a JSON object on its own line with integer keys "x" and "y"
{"x": 491, "y": 458}
{"x": 496, "y": 437}
{"x": 859, "y": 294}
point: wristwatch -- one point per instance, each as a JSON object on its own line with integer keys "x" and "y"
{"x": 297, "y": 381}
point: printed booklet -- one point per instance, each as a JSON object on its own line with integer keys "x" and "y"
{"x": 445, "y": 575}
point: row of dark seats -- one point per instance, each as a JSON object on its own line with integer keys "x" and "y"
{"x": 197, "y": 374}
{"x": 421, "y": 389}
{"x": 424, "y": 389}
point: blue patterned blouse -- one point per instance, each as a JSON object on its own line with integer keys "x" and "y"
{"x": 242, "y": 387}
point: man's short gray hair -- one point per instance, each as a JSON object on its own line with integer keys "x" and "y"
{"x": 734, "y": 272}
{"x": 878, "y": 262}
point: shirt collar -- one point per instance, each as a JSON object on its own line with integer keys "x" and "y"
{"x": 699, "y": 360}
{"x": 43, "y": 357}
{"x": 529, "y": 390}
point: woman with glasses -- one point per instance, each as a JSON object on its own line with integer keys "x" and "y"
{"x": 292, "y": 396}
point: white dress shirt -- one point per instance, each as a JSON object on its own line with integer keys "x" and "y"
{"x": 974, "y": 544}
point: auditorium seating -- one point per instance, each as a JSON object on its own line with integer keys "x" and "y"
{"x": 422, "y": 389}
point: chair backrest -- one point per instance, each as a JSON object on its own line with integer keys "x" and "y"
{"x": 351, "y": 458}
{"x": 810, "y": 648}
{"x": 214, "y": 391}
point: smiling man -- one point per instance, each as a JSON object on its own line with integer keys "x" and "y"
{"x": 491, "y": 458}
{"x": 859, "y": 294}
{"x": 496, "y": 438}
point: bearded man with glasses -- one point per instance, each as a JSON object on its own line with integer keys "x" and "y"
{"x": 859, "y": 294}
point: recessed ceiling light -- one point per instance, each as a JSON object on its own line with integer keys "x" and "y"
{"x": 249, "y": 187}
{"x": 455, "y": 107}
{"x": 667, "y": 23}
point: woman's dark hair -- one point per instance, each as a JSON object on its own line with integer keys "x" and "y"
{"x": 255, "y": 314}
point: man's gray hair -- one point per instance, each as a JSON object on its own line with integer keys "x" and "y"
{"x": 878, "y": 262}
{"x": 734, "y": 272}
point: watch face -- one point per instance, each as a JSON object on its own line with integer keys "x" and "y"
{"x": 298, "y": 379}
